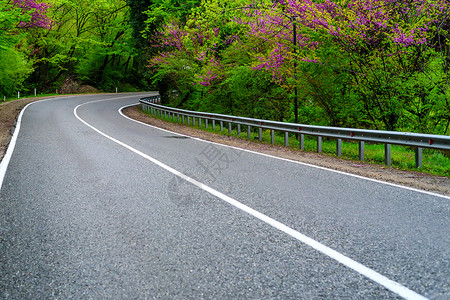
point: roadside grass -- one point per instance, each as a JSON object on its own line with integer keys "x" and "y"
{"x": 434, "y": 161}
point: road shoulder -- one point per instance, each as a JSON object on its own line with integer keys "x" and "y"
{"x": 417, "y": 180}
{"x": 9, "y": 111}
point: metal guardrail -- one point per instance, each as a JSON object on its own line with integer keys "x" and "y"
{"x": 151, "y": 99}
{"x": 388, "y": 138}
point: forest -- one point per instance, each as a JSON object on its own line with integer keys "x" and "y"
{"x": 377, "y": 64}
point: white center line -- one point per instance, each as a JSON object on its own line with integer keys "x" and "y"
{"x": 389, "y": 284}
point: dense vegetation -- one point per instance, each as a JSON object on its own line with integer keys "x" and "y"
{"x": 47, "y": 45}
{"x": 380, "y": 64}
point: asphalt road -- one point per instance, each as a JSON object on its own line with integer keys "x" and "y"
{"x": 93, "y": 207}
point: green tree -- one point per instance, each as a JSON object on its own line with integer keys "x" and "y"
{"x": 16, "y": 18}
{"x": 91, "y": 42}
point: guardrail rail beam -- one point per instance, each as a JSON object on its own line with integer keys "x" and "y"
{"x": 416, "y": 140}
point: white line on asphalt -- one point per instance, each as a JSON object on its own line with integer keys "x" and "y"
{"x": 284, "y": 159}
{"x": 12, "y": 144}
{"x": 350, "y": 263}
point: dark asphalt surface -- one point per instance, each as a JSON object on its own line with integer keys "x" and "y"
{"x": 82, "y": 217}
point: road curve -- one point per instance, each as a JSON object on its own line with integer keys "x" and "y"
{"x": 95, "y": 205}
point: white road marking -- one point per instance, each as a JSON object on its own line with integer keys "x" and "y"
{"x": 285, "y": 159}
{"x": 391, "y": 285}
{"x": 12, "y": 144}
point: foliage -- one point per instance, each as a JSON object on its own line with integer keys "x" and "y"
{"x": 379, "y": 64}
{"x": 16, "y": 18}
{"x": 90, "y": 42}
{"x": 37, "y": 14}
{"x": 14, "y": 70}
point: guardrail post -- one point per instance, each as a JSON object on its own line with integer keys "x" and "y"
{"x": 249, "y": 131}
{"x": 361, "y": 150}
{"x": 229, "y": 127}
{"x": 214, "y": 125}
{"x": 419, "y": 156}
{"x": 286, "y": 139}
{"x": 182, "y": 119}
{"x": 260, "y": 134}
{"x": 178, "y": 118}
{"x": 221, "y": 126}
{"x": 193, "y": 121}
{"x": 239, "y": 129}
{"x": 199, "y": 122}
{"x": 302, "y": 142}
{"x": 339, "y": 147}
{"x": 272, "y": 136}
{"x": 206, "y": 123}
{"x": 319, "y": 144}
{"x": 165, "y": 115}
{"x": 387, "y": 154}
{"x": 189, "y": 122}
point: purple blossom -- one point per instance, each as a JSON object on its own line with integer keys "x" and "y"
{"x": 38, "y": 14}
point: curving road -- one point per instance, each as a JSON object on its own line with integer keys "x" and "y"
{"x": 94, "y": 205}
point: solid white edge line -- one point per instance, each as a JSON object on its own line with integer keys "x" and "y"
{"x": 12, "y": 143}
{"x": 286, "y": 159}
{"x": 391, "y": 285}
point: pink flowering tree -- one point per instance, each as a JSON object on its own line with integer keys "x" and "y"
{"x": 371, "y": 63}
{"x": 384, "y": 47}
{"x": 208, "y": 60}
{"x": 36, "y": 12}
{"x": 189, "y": 52}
